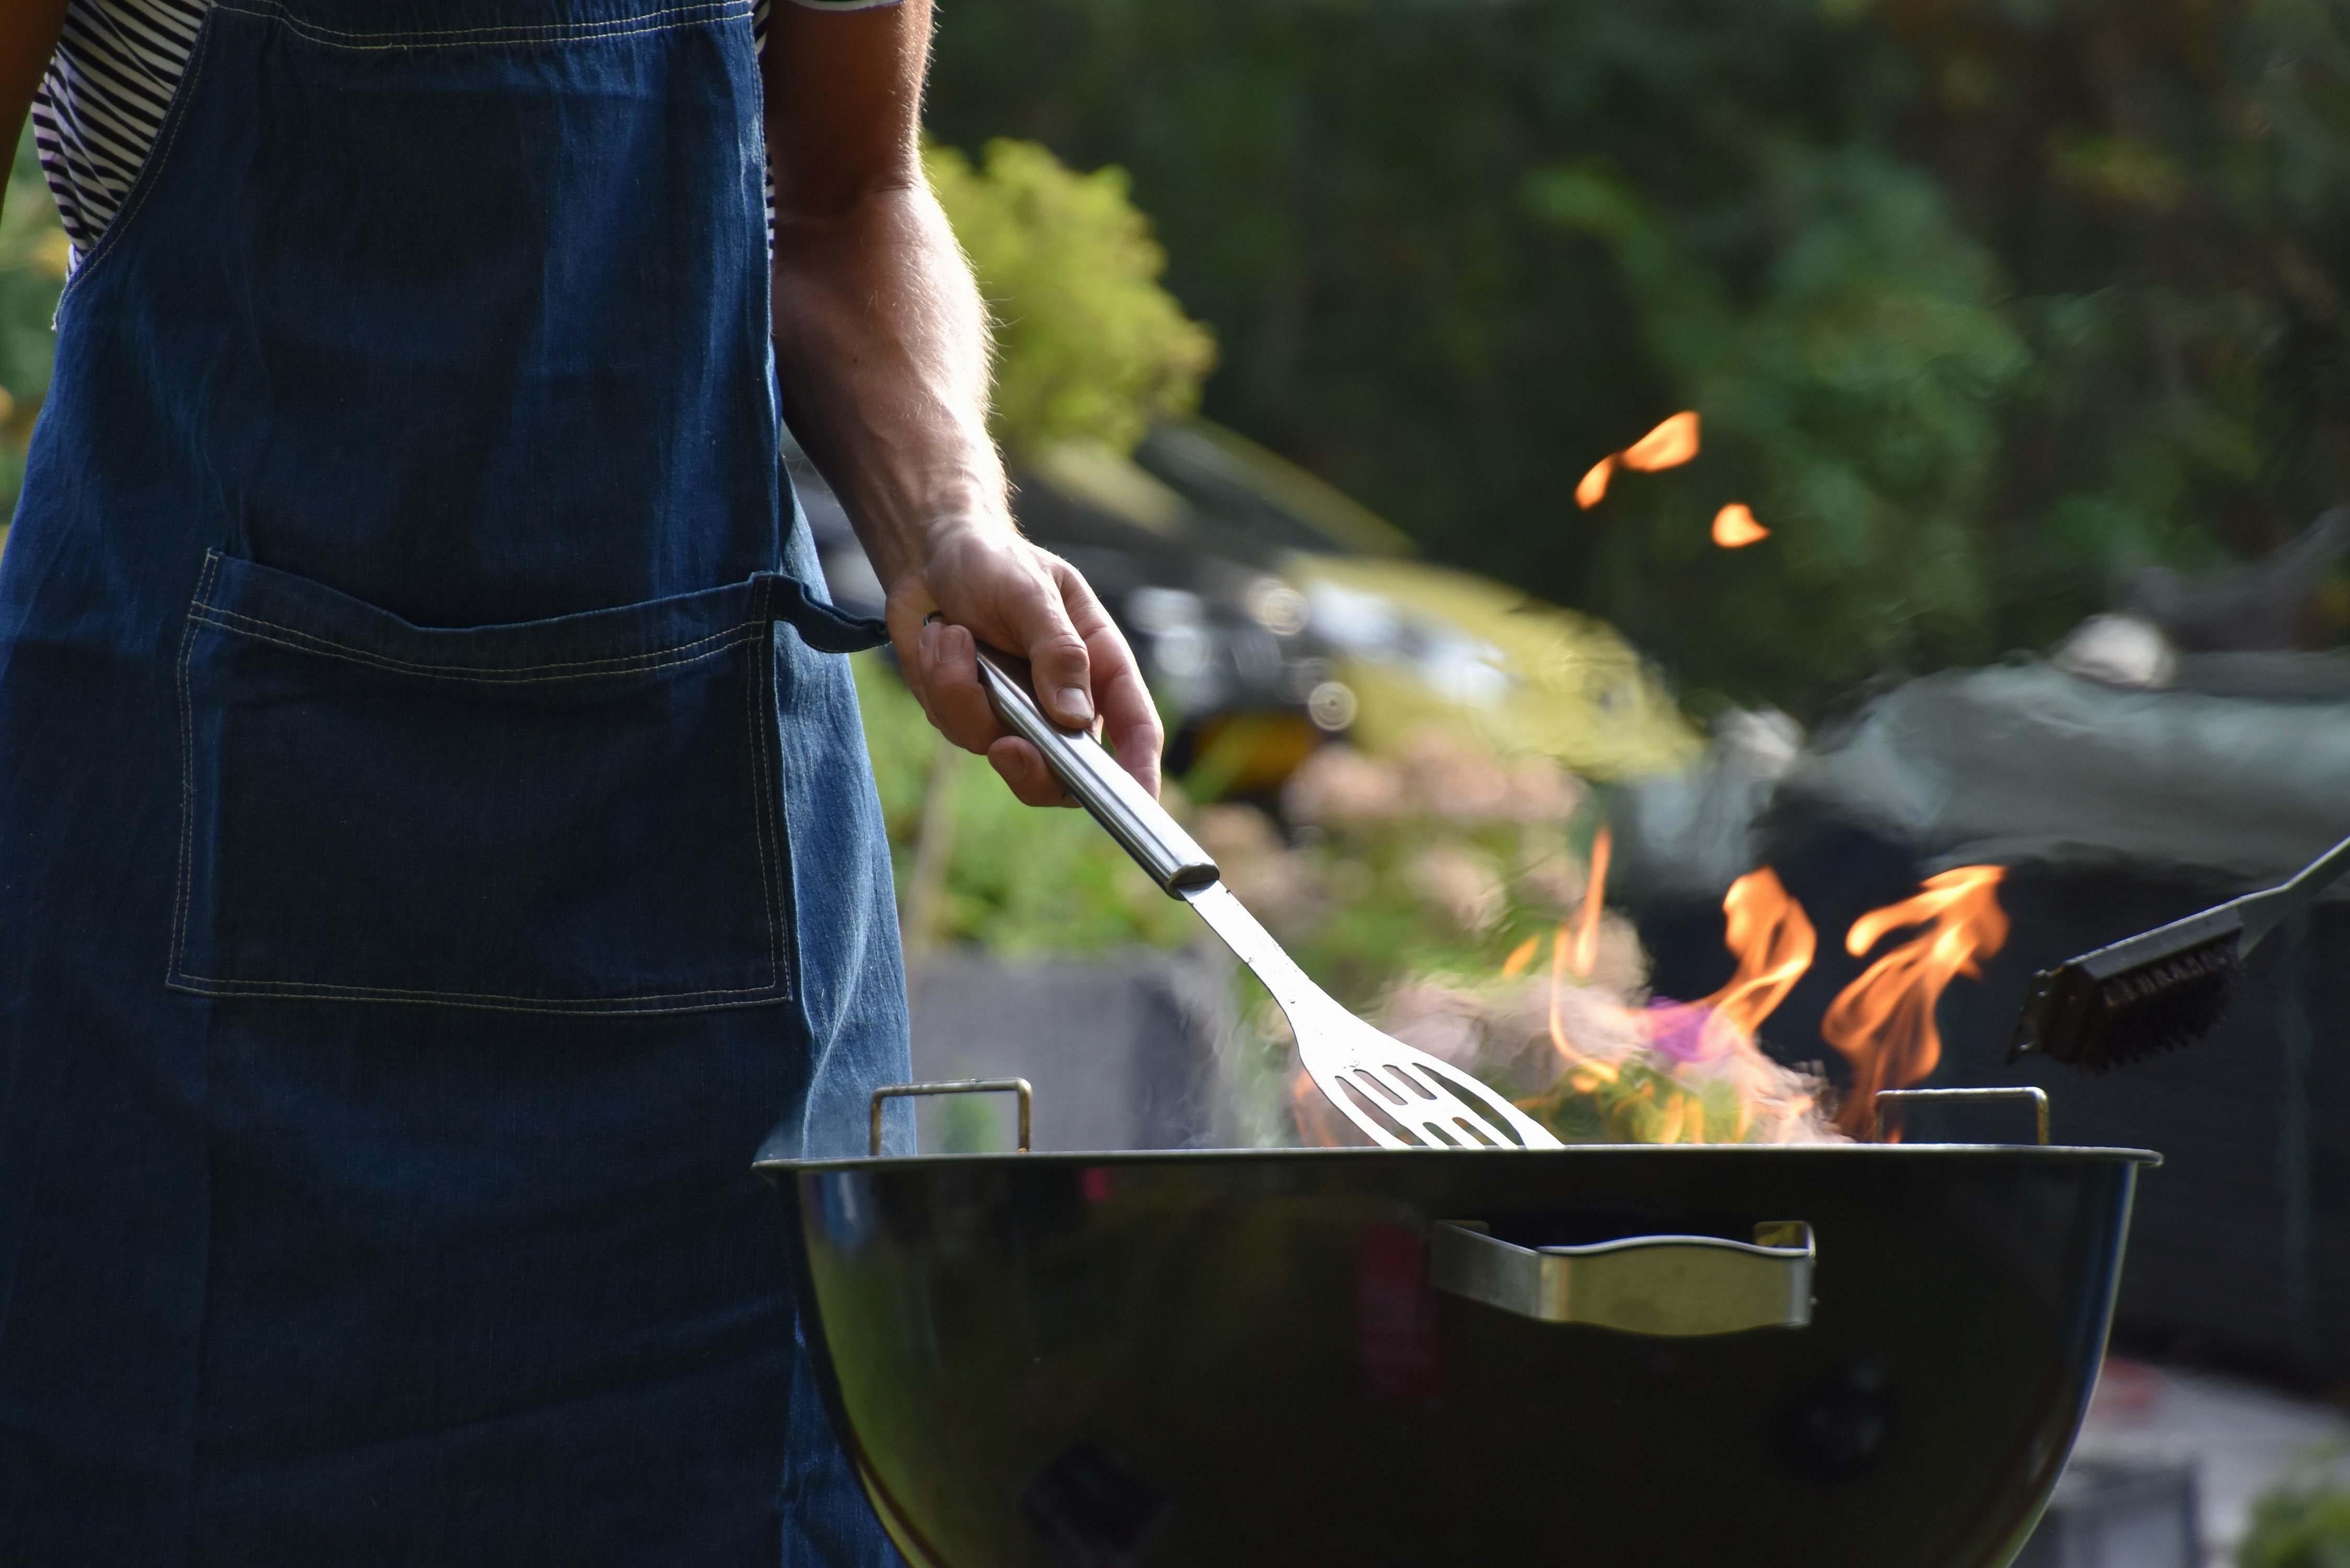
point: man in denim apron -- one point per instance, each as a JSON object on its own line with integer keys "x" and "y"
{"x": 437, "y": 844}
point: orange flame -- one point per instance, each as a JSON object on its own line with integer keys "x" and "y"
{"x": 1316, "y": 1117}
{"x": 1734, "y": 527}
{"x": 1580, "y": 950}
{"x": 1595, "y": 897}
{"x": 1884, "y": 1021}
{"x": 1670, "y": 445}
{"x": 1774, "y": 943}
{"x": 1593, "y": 489}
{"x": 1687, "y": 1072}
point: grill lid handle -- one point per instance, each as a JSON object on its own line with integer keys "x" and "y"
{"x": 1667, "y": 1287}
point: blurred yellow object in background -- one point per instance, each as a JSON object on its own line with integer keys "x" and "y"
{"x": 1428, "y": 648}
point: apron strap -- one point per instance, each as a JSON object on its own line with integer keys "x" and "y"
{"x": 821, "y": 626}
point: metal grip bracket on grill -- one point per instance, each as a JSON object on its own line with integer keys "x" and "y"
{"x": 1093, "y": 778}
{"x": 1019, "y": 1086}
{"x": 2036, "y": 1100}
{"x": 1674, "y": 1287}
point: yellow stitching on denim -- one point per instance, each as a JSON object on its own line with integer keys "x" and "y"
{"x": 497, "y": 43}
{"x": 755, "y": 733}
{"x": 177, "y": 977}
{"x": 150, "y": 172}
{"x": 277, "y": 12}
{"x": 617, "y": 1008}
{"x": 487, "y": 38}
{"x": 581, "y": 664}
{"x": 316, "y": 986}
{"x": 187, "y": 774}
{"x": 486, "y": 678}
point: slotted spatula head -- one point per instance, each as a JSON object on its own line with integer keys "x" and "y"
{"x": 1399, "y": 1098}
{"x": 1385, "y": 1088}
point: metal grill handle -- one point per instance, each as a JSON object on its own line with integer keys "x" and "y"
{"x": 2038, "y": 1098}
{"x": 1019, "y": 1086}
{"x": 1673, "y": 1287}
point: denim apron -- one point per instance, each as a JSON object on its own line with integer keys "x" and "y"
{"x": 437, "y": 854}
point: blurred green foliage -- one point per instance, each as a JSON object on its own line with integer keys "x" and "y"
{"x": 31, "y": 273}
{"x": 2303, "y": 1525}
{"x": 1089, "y": 348}
{"x": 1020, "y": 880}
{"x": 1984, "y": 302}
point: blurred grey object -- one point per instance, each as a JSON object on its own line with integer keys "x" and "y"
{"x": 2118, "y": 1515}
{"x": 2239, "y": 1440}
{"x": 2025, "y": 764}
{"x": 1691, "y": 834}
{"x": 2250, "y": 608}
{"x": 2120, "y": 650}
{"x": 2181, "y": 735}
{"x": 1125, "y": 1051}
{"x": 2235, "y": 775}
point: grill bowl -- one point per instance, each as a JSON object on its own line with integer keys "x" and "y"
{"x": 1231, "y": 1359}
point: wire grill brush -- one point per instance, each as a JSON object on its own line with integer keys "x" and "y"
{"x": 2162, "y": 991}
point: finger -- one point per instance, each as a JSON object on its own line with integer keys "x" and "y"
{"x": 911, "y": 615}
{"x": 1130, "y": 724}
{"x": 1039, "y": 619}
{"x": 952, "y": 693}
{"x": 1021, "y": 768}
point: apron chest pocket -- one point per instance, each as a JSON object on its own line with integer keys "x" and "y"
{"x": 570, "y": 815}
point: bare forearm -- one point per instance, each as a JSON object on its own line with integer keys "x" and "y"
{"x": 881, "y": 350}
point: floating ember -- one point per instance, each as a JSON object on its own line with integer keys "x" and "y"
{"x": 1593, "y": 488}
{"x": 1670, "y": 445}
{"x": 1734, "y": 527}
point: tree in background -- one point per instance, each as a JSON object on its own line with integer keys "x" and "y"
{"x": 1089, "y": 348}
{"x": 32, "y": 254}
{"x": 1983, "y": 302}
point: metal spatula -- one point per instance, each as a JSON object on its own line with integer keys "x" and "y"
{"x": 1399, "y": 1098}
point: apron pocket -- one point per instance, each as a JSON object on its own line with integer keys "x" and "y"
{"x": 569, "y": 815}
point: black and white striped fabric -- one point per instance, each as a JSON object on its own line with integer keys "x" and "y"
{"x": 116, "y": 65}
{"x": 95, "y": 117}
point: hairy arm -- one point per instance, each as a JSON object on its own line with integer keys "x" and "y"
{"x": 28, "y": 35}
{"x": 881, "y": 348}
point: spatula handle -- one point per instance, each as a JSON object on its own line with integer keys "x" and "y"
{"x": 1091, "y": 776}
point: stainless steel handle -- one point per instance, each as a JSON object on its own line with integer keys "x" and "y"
{"x": 2036, "y": 1098}
{"x": 956, "y": 1087}
{"x": 1091, "y": 775}
{"x": 1674, "y": 1287}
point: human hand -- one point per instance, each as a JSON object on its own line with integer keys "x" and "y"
{"x": 983, "y": 581}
